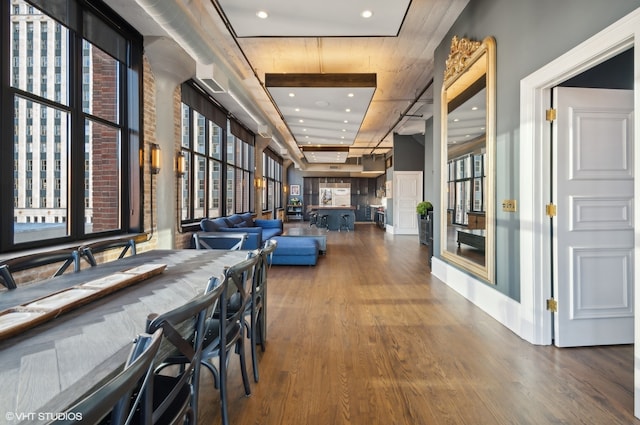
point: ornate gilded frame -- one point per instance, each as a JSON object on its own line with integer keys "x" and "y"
{"x": 468, "y": 62}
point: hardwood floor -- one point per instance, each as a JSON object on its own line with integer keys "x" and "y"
{"x": 368, "y": 337}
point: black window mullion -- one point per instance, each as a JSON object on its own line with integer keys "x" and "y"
{"x": 133, "y": 180}
{"x": 223, "y": 171}
{"x": 75, "y": 201}
{"x": 192, "y": 165}
{"x": 207, "y": 164}
{"x": 6, "y": 138}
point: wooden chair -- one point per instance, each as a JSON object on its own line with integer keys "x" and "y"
{"x": 225, "y": 329}
{"x": 125, "y": 397}
{"x": 65, "y": 256}
{"x": 90, "y": 250}
{"x": 220, "y": 240}
{"x": 175, "y": 395}
{"x": 256, "y": 310}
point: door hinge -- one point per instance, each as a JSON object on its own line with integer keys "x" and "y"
{"x": 552, "y": 305}
{"x": 551, "y": 114}
{"x": 551, "y": 210}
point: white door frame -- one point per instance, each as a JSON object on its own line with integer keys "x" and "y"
{"x": 535, "y": 267}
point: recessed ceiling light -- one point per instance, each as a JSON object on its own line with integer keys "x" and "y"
{"x": 347, "y": 110}
{"x": 346, "y": 121}
{"x": 366, "y": 14}
{"x": 350, "y": 95}
{"x": 300, "y": 120}
{"x": 297, "y": 109}
{"x": 292, "y": 95}
{"x": 262, "y": 14}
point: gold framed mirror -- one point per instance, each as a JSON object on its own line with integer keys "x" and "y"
{"x": 468, "y": 157}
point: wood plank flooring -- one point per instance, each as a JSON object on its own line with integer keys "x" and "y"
{"x": 368, "y": 337}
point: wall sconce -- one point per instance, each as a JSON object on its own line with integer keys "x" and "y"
{"x": 155, "y": 158}
{"x": 285, "y": 189}
{"x": 181, "y": 164}
{"x": 258, "y": 182}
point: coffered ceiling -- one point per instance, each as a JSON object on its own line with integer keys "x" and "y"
{"x": 235, "y": 51}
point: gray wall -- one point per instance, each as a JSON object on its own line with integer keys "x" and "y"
{"x": 408, "y": 152}
{"x": 430, "y": 178}
{"x": 294, "y": 176}
{"x": 528, "y": 34}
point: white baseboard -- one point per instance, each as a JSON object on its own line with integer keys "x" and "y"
{"x": 499, "y": 306}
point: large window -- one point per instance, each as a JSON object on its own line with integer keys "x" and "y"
{"x": 240, "y": 170}
{"x": 272, "y": 181}
{"x": 219, "y": 155}
{"x": 67, "y": 120}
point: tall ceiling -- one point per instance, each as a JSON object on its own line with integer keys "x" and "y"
{"x": 234, "y": 50}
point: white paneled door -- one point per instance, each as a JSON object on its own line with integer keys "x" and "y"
{"x": 594, "y": 229}
{"x": 407, "y": 192}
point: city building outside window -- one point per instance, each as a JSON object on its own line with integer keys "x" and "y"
{"x": 79, "y": 116}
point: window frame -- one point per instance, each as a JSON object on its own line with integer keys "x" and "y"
{"x": 129, "y": 115}
{"x": 466, "y": 177}
{"x": 272, "y": 187}
{"x": 235, "y": 159}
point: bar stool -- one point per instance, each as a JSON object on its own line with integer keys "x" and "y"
{"x": 313, "y": 219}
{"x": 344, "y": 222}
{"x": 324, "y": 221}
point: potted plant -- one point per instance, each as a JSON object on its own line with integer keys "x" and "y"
{"x": 423, "y": 222}
{"x": 423, "y": 207}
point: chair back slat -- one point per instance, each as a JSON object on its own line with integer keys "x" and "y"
{"x": 184, "y": 336}
{"x": 225, "y": 326}
{"x": 220, "y": 240}
{"x": 90, "y": 250}
{"x": 67, "y": 257}
{"x": 127, "y": 396}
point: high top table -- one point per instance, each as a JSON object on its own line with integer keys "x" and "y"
{"x": 49, "y": 367}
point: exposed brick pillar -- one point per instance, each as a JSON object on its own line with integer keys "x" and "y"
{"x": 105, "y": 155}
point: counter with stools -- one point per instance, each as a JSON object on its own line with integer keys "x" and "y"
{"x": 335, "y": 217}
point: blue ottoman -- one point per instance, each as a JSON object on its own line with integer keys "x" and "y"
{"x": 294, "y": 251}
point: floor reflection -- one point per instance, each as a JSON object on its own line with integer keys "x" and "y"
{"x": 466, "y": 251}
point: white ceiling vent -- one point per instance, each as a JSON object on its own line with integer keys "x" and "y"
{"x": 212, "y": 77}
{"x": 264, "y": 131}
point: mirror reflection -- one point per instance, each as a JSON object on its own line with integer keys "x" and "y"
{"x": 467, "y": 116}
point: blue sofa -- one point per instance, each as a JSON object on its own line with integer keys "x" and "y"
{"x": 259, "y": 230}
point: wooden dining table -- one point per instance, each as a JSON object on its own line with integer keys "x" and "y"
{"x": 47, "y": 368}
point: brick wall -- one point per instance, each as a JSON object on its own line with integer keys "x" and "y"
{"x": 105, "y": 150}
